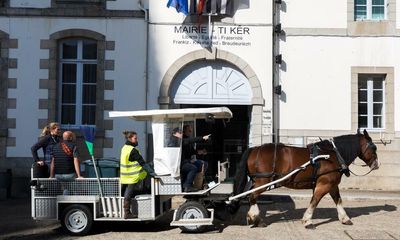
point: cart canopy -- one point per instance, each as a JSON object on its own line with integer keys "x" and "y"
{"x": 187, "y": 113}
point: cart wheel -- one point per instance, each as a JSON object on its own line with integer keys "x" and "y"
{"x": 192, "y": 210}
{"x": 77, "y": 219}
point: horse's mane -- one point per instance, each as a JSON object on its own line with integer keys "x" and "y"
{"x": 347, "y": 145}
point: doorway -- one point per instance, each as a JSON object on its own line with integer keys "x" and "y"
{"x": 229, "y": 139}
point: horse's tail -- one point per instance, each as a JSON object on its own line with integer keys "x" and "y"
{"x": 240, "y": 181}
{"x": 241, "y": 174}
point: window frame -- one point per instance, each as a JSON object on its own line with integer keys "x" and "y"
{"x": 79, "y": 62}
{"x": 369, "y": 6}
{"x": 370, "y": 79}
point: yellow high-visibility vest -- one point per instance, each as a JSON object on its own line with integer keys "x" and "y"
{"x": 130, "y": 172}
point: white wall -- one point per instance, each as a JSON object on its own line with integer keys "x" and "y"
{"x": 129, "y": 82}
{"x": 314, "y": 14}
{"x": 28, "y": 32}
{"x": 163, "y": 53}
{"x": 128, "y": 75}
{"x": 317, "y": 80}
{"x": 259, "y": 12}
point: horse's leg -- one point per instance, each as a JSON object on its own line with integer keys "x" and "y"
{"x": 343, "y": 218}
{"x": 319, "y": 193}
{"x": 253, "y": 215}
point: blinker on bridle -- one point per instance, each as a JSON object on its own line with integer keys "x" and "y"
{"x": 370, "y": 145}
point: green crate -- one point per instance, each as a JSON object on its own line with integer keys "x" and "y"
{"x": 106, "y": 168}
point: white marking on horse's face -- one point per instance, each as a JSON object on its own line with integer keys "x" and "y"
{"x": 375, "y": 165}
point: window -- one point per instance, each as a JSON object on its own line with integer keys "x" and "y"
{"x": 371, "y": 99}
{"x": 77, "y": 82}
{"x": 370, "y": 9}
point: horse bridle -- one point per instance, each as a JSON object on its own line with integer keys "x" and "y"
{"x": 368, "y": 145}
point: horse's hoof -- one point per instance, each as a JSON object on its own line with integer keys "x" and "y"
{"x": 249, "y": 221}
{"x": 310, "y": 226}
{"x": 262, "y": 224}
{"x": 348, "y": 222}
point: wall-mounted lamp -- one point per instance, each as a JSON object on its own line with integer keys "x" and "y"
{"x": 278, "y": 59}
{"x": 278, "y": 89}
{"x": 278, "y": 28}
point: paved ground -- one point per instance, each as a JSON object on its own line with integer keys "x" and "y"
{"x": 375, "y": 215}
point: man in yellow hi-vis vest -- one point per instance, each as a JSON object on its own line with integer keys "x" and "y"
{"x": 133, "y": 169}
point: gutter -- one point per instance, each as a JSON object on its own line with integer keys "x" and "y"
{"x": 146, "y": 77}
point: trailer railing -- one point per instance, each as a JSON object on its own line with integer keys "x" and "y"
{"x": 51, "y": 187}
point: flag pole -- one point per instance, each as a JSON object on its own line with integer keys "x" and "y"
{"x": 97, "y": 176}
{"x": 89, "y": 135}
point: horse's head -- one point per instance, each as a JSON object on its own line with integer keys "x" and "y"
{"x": 368, "y": 151}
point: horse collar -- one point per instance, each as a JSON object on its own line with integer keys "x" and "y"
{"x": 343, "y": 167}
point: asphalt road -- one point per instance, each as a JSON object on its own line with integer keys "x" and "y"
{"x": 374, "y": 217}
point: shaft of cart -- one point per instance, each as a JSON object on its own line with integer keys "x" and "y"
{"x": 301, "y": 168}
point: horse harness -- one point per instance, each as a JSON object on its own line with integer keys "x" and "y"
{"x": 272, "y": 174}
{"x": 343, "y": 167}
{"x": 314, "y": 150}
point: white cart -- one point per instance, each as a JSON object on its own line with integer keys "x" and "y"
{"x": 92, "y": 199}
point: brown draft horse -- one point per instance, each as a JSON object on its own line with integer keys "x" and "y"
{"x": 270, "y": 162}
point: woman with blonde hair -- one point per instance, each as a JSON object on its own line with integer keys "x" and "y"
{"x": 48, "y": 138}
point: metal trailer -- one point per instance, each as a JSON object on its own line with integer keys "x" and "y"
{"x": 83, "y": 204}
{"x": 99, "y": 199}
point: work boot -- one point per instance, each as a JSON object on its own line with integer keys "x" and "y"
{"x": 127, "y": 210}
{"x": 190, "y": 189}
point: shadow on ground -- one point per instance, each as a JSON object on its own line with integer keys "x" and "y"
{"x": 278, "y": 208}
{"x": 16, "y": 221}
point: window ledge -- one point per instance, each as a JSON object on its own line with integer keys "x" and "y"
{"x": 371, "y": 28}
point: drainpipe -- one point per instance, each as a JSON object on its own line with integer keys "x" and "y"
{"x": 276, "y": 90}
{"x": 146, "y": 77}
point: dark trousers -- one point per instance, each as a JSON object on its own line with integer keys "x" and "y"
{"x": 130, "y": 190}
{"x": 200, "y": 163}
{"x": 188, "y": 172}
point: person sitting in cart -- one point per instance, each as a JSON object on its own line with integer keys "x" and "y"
{"x": 65, "y": 163}
{"x": 133, "y": 170}
{"x": 188, "y": 158}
